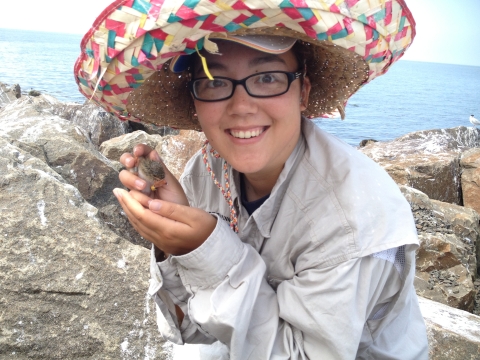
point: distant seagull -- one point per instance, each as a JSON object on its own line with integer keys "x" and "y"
{"x": 474, "y": 121}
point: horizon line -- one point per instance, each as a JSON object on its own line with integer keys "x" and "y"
{"x": 83, "y": 34}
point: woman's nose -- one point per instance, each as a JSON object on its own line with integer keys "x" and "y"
{"x": 242, "y": 103}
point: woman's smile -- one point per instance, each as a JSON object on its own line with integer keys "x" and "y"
{"x": 247, "y": 133}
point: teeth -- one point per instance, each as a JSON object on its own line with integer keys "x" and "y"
{"x": 246, "y": 134}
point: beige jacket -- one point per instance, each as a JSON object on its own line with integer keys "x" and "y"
{"x": 322, "y": 270}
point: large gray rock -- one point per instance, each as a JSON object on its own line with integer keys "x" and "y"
{"x": 452, "y": 334}
{"x": 29, "y": 106}
{"x": 95, "y": 122}
{"x": 427, "y": 160}
{"x": 70, "y": 287}
{"x": 446, "y": 262}
{"x": 68, "y": 151}
{"x": 99, "y": 125}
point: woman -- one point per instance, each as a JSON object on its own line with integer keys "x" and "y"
{"x": 280, "y": 241}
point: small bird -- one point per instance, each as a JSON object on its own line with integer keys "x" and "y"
{"x": 150, "y": 171}
{"x": 474, "y": 121}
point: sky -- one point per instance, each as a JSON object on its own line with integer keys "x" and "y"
{"x": 447, "y": 30}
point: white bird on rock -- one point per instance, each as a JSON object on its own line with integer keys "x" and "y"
{"x": 474, "y": 121}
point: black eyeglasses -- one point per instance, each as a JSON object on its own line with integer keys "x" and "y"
{"x": 261, "y": 85}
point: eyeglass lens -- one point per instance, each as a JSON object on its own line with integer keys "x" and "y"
{"x": 263, "y": 85}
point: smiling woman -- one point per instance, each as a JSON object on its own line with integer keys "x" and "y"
{"x": 279, "y": 241}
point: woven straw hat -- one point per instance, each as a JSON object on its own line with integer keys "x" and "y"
{"x": 124, "y": 61}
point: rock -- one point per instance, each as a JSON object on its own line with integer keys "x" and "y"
{"x": 176, "y": 150}
{"x": 417, "y": 199}
{"x": 9, "y": 94}
{"x": 427, "y": 160}
{"x": 476, "y": 310}
{"x": 459, "y": 138}
{"x": 452, "y": 334}
{"x": 34, "y": 93}
{"x": 465, "y": 225}
{"x": 116, "y": 220}
{"x": 66, "y": 149}
{"x": 100, "y": 125}
{"x": 452, "y": 287}
{"x": 446, "y": 262}
{"x": 365, "y": 142}
{"x": 114, "y": 148}
{"x": 440, "y": 251}
{"x": 70, "y": 287}
{"x": 28, "y": 106}
{"x": 470, "y": 162}
{"x": 153, "y": 129}
{"x": 436, "y": 217}
{"x": 17, "y": 91}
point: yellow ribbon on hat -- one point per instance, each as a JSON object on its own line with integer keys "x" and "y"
{"x": 204, "y": 64}
{"x": 212, "y": 48}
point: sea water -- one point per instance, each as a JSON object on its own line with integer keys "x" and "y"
{"x": 411, "y": 96}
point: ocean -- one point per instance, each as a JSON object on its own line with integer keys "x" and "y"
{"x": 411, "y": 96}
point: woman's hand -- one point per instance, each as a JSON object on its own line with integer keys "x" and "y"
{"x": 175, "y": 229}
{"x": 171, "y": 192}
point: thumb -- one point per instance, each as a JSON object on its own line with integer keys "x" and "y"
{"x": 182, "y": 214}
{"x": 169, "y": 210}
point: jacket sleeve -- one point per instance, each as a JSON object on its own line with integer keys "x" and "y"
{"x": 320, "y": 313}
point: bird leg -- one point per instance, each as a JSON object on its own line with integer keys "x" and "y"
{"x": 157, "y": 184}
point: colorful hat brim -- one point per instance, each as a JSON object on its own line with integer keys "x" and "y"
{"x": 266, "y": 44}
{"x": 133, "y": 39}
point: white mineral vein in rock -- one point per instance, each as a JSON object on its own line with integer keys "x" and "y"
{"x": 147, "y": 305}
{"x": 124, "y": 345}
{"x": 41, "y": 212}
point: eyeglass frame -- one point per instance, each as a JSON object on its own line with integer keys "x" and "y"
{"x": 291, "y": 77}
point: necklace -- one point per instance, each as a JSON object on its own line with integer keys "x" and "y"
{"x": 225, "y": 191}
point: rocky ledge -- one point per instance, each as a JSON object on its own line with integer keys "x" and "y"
{"x": 74, "y": 273}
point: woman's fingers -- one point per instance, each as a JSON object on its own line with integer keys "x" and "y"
{"x": 131, "y": 180}
{"x": 189, "y": 223}
{"x": 141, "y": 197}
{"x": 174, "y": 228}
{"x": 136, "y": 214}
{"x": 127, "y": 160}
{"x": 140, "y": 150}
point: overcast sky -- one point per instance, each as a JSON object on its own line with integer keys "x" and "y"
{"x": 447, "y": 30}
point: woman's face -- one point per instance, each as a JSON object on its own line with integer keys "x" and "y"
{"x": 254, "y": 135}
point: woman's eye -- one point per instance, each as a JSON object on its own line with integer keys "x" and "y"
{"x": 267, "y": 78}
{"x": 216, "y": 83}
